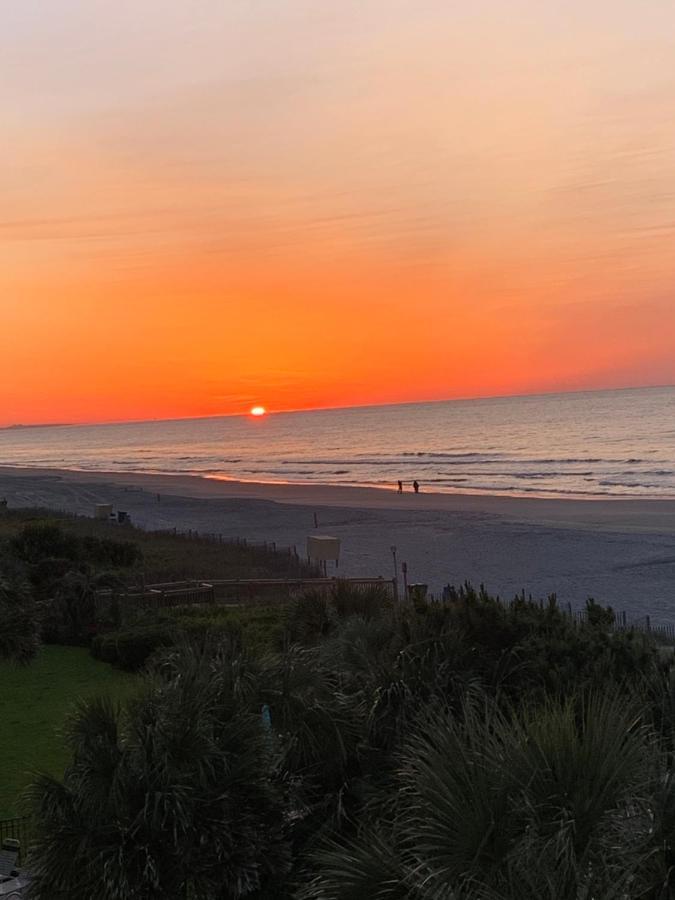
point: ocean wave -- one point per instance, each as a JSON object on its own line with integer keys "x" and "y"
{"x": 213, "y": 459}
{"x": 127, "y": 463}
{"x": 502, "y": 457}
{"x": 607, "y": 482}
{"x": 547, "y": 473}
{"x": 426, "y": 459}
{"x": 284, "y": 472}
{"x": 437, "y": 455}
{"x": 565, "y": 492}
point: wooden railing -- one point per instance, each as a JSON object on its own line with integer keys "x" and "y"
{"x": 261, "y": 590}
{"x": 230, "y": 591}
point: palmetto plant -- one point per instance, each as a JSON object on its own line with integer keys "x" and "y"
{"x": 459, "y": 752}
{"x": 553, "y": 803}
{"x": 319, "y": 733}
{"x": 171, "y": 799}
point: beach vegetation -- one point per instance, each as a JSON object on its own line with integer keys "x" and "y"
{"x": 316, "y": 614}
{"x": 335, "y": 746}
{"x": 20, "y": 619}
{"x": 554, "y": 801}
{"x": 53, "y": 565}
{"x": 260, "y": 628}
{"x": 160, "y": 556}
{"x": 461, "y": 749}
{"x": 41, "y": 541}
{"x": 170, "y": 797}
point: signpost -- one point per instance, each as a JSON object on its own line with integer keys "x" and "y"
{"x": 323, "y": 549}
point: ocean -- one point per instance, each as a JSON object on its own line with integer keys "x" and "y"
{"x": 593, "y": 444}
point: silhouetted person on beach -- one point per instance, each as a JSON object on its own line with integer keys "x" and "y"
{"x": 416, "y": 487}
{"x": 400, "y": 487}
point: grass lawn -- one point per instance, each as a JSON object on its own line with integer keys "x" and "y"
{"x": 34, "y": 701}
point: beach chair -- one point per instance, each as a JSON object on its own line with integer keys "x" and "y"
{"x": 9, "y": 856}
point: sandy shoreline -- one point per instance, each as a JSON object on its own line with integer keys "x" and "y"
{"x": 610, "y": 513}
{"x": 619, "y": 551}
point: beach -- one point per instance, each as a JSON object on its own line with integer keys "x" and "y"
{"x": 621, "y": 552}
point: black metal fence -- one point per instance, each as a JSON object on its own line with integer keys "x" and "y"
{"x": 20, "y": 830}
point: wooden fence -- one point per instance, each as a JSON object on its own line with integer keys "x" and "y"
{"x": 623, "y": 621}
{"x": 227, "y": 592}
{"x": 237, "y": 591}
{"x": 212, "y": 537}
{"x": 166, "y": 596}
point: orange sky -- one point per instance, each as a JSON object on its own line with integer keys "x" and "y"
{"x": 207, "y": 206}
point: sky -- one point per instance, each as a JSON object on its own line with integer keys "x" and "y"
{"x": 298, "y": 203}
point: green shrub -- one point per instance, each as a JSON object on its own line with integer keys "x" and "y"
{"x": 259, "y": 631}
{"x": 46, "y": 574}
{"x": 104, "y": 647}
{"x": 131, "y": 648}
{"x": 19, "y": 621}
{"x": 170, "y": 799}
{"x": 466, "y": 748}
{"x": 42, "y": 540}
{"x": 45, "y": 540}
{"x": 537, "y": 648}
{"x": 104, "y": 551}
{"x": 599, "y": 615}
{"x": 315, "y": 614}
{"x": 552, "y": 802}
{"x": 369, "y": 602}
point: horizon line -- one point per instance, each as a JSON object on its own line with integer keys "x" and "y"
{"x": 276, "y": 412}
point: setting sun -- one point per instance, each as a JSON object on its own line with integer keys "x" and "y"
{"x": 258, "y": 411}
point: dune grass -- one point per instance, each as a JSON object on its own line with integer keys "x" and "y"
{"x": 166, "y": 556}
{"x": 34, "y": 701}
